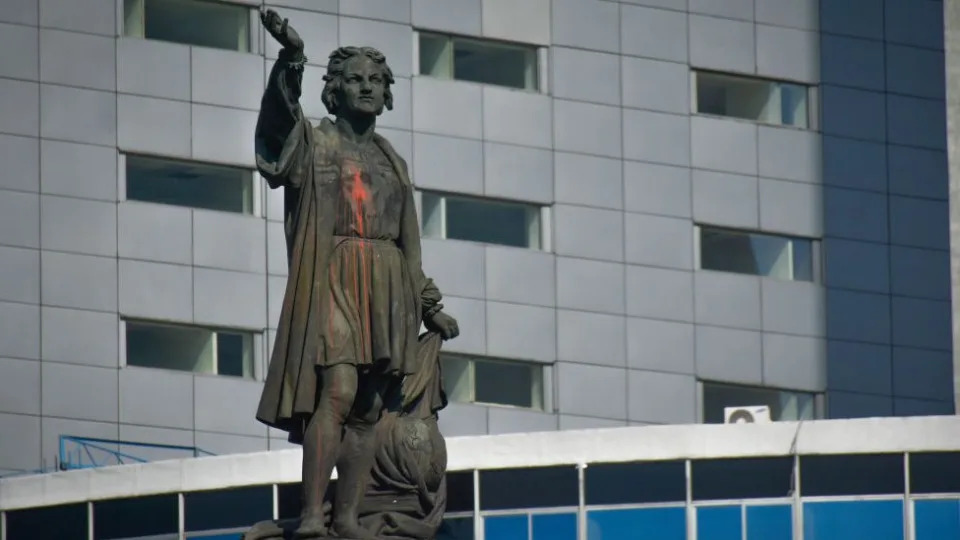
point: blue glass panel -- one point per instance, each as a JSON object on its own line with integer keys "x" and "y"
{"x": 770, "y": 522}
{"x": 505, "y": 528}
{"x": 853, "y": 520}
{"x": 637, "y": 524}
{"x": 719, "y": 523}
{"x": 555, "y": 527}
{"x": 937, "y": 520}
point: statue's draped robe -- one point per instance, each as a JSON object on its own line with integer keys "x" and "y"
{"x": 309, "y": 163}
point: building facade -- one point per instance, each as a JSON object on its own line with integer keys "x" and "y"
{"x": 641, "y": 212}
{"x": 883, "y": 479}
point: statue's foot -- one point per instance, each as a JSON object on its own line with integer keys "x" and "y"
{"x": 351, "y": 530}
{"x": 310, "y": 527}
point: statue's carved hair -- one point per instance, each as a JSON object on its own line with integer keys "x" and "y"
{"x": 334, "y": 76}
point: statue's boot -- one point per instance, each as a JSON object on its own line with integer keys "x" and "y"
{"x": 311, "y": 527}
{"x": 353, "y": 474}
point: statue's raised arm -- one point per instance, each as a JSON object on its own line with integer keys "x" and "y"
{"x": 283, "y": 132}
{"x": 280, "y": 29}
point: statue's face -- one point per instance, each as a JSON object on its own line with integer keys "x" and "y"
{"x": 363, "y": 85}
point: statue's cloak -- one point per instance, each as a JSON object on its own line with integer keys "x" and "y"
{"x": 305, "y": 161}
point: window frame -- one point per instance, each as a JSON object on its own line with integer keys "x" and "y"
{"x": 816, "y": 261}
{"x": 542, "y": 373}
{"x": 258, "y": 344}
{"x": 811, "y": 95}
{"x": 257, "y": 186}
{"x": 253, "y": 43}
{"x": 539, "y": 55}
{"x": 544, "y": 217}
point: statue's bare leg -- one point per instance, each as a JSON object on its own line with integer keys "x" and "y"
{"x": 357, "y": 456}
{"x": 322, "y": 443}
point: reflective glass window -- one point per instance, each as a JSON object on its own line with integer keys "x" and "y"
{"x": 460, "y": 491}
{"x": 130, "y": 518}
{"x": 866, "y": 474}
{"x": 554, "y": 526}
{"x": 506, "y": 527}
{"x": 624, "y": 483}
{"x": 460, "y": 528}
{"x": 227, "y": 508}
{"x": 637, "y": 524}
{"x": 756, "y": 254}
{"x": 66, "y": 521}
{"x": 719, "y": 523}
{"x": 189, "y": 348}
{"x": 536, "y": 487}
{"x": 770, "y": 522}
{"x": 482, "y": 61}
{"x": 937, "y": 519}
{"x": 472, "y": 379}
{"x": 935, "y": 472}
{"x": 853, "y": 520}
{"x": 483, "y": 220}
{"x": 741, "y": 478}
{"x": 783, "y": 404}
{"x": 289, "y": 500}
{"x": 190, "y": 22}
{"x": 190, "y": 184}
{"x": 766, "y": 101}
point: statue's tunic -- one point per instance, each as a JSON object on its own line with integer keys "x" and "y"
{"x": 356, "y": 292}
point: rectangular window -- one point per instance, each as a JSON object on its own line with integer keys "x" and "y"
{"x": 191, "y": 22}
{"x": 479, "y": 61}
{"x": 190, "y": 348}
{"x": 784, "y": 405}
{"x": 195, "y": 185}
{"x": 766, "y": 101}
{"x": 482, "y": 220}
{"x": 741, "y": 252}
{"x": 498, "y": 382}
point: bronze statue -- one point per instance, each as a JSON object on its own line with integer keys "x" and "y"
{"x": 349, "y": 377}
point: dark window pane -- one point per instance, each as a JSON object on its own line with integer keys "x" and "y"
{"x": 194, "y": 185}
{"x": 129, "y": 518}
{"x": 755, "y": 254}
{"x": 719, "y": 523}
{"x": 289, "y": 500}
{"x": 637, "y": 524}
{"x": 935, "y": 472}
{"x": 435, "y": 59}
{"x": 227, "y": 508}
{"x": 67, "y": 521}
{"x": 554, "y": 526}
{"x": 537, "y": 487}
{"x": 216, "y": 536}
{"x": 460, "y": 491}
{"x": 456, "y": 529}
{"x": 869, "y": 474}
{"x": 774, "y": 522}
{"x": 741, "y": 478}
{"x": 624, "y": 483}
{"x": 489, "y": 221}
{"x": 783, "y": 405}
{"x": 232, "y": 351}
{"x": 937, "y": 519}
{"x": 506, "y": 527}
{"x": 207, "y": 24}
{"x": 855, "y": 520}
{"x": 494, "y": 63}
{"x": 505, "y": 383}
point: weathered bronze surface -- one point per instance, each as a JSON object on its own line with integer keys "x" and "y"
{"x": 350, "y": 378}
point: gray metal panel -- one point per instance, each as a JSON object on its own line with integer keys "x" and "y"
{"x": 222, "y": 135}
{"x": 520, "y": 275}
{"x": 509, "y": 327}
{"x": 591, "y": 338}
{"x": 74, "y": 114}
{"x": 576, "y": 72}
{"x": 78, "y": 281}
{"x": 518, "y": 172}
{"x": 157, "y": 397}
{"x": 591, "y": 390}
{"x": 588, "y": 232}
{"x": 728, "y": 355}
{"x": 77, "y": 225}
{"x": 75, "y": 59}
{"x": 660, "y": 345}
{"x": 662, "y": 397}
{"x": 155, "y": 68}
{"x": 158, "y": 291}
{"x": 81, "y": 392}
{"x": 80, "y": 336}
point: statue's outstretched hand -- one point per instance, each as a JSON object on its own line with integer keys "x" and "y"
{"x": 280, "y": 30}
{"x": 444, "y": 324}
